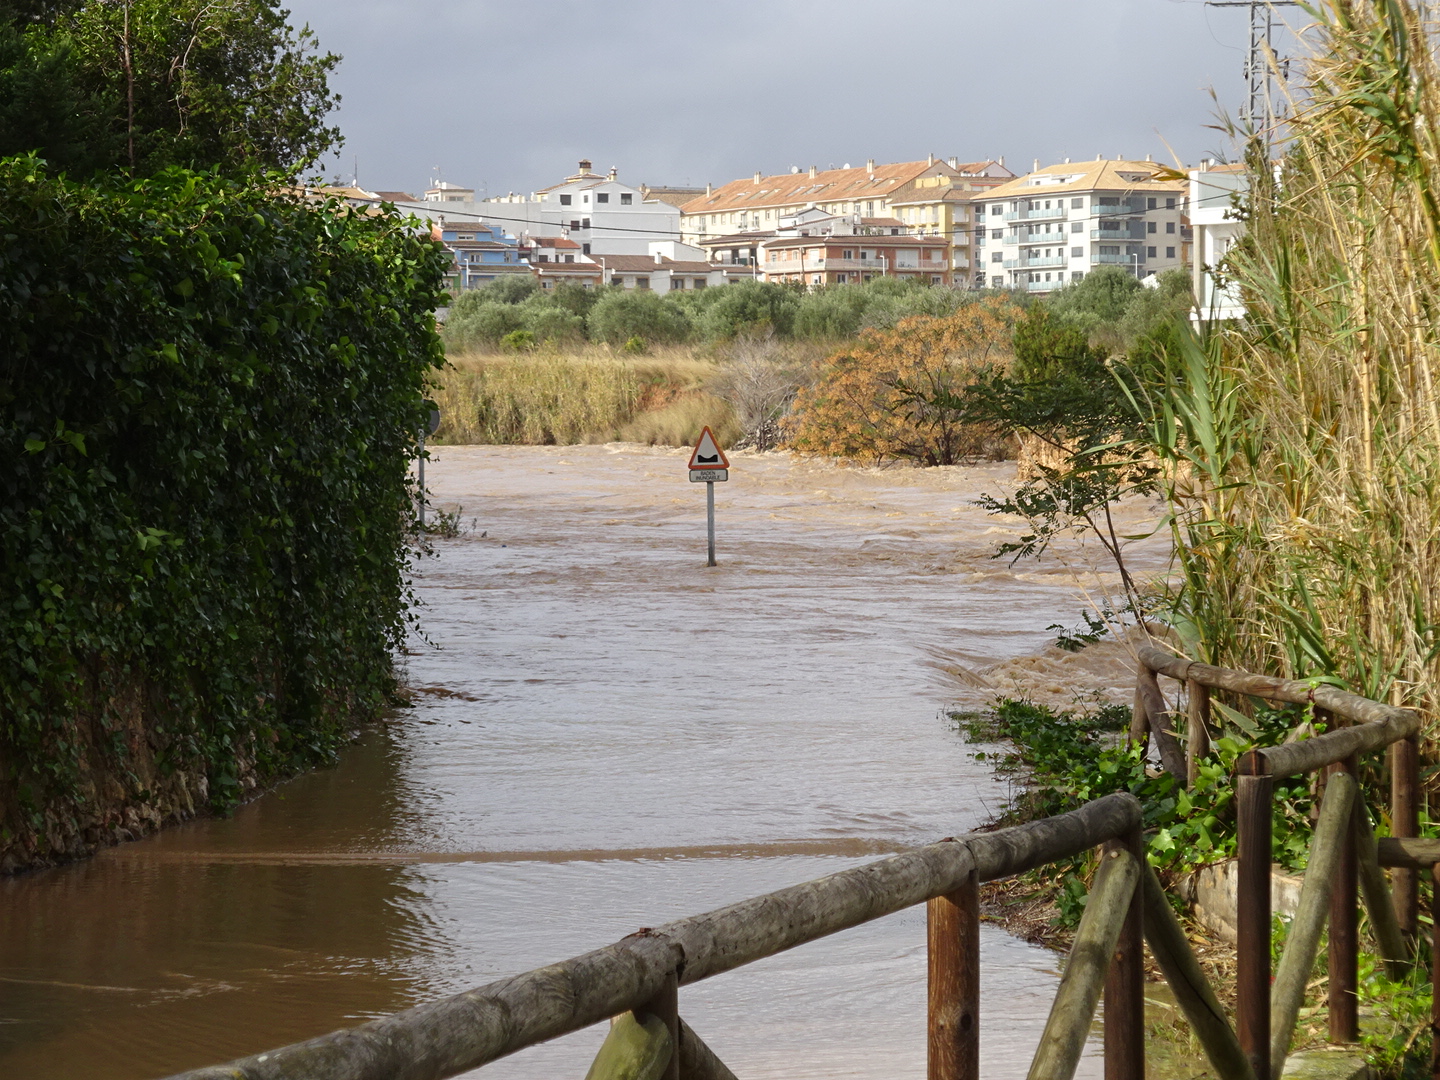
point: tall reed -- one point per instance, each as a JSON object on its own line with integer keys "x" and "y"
{"x": 1306, "y": 440}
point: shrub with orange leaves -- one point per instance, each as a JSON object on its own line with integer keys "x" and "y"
{"x": 871, "y": 402}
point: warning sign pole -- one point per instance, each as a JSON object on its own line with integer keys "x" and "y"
{"x": 710, "y": 518}
{"x": 708, "y": 463}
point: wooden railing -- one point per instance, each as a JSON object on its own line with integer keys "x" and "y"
{"x": 1344, "y": 856}
{"x": 635, "y": 982}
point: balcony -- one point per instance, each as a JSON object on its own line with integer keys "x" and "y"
{"x": 1120, "y": 210}
{"x": 819, "y": 266}
{"x": 1114, "y": 234}
{"x": 1035, "y": 215}
{"x": 1118, "y": 260}
{"x": 1042, "y": 238}
{"x": 1041, "y": 286}
{"x": 1043, "y": 260}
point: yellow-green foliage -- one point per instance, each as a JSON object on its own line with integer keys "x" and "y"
{"x": 1307, "y": 441}
{"x": 679, "y": 423}
{"x": 589, "y": 396}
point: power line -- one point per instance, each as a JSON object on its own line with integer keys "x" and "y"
{"x": 1261, "y": 112}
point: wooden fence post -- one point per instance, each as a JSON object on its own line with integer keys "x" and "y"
{"x": 1197, "y": 730}
{"x": 1343, "y": 953}
{"x": 665, "y": 1006}
{"x": 1435, "y": 971}
{"x": 1405, "y": 821}
{"x": 1253, "y": 827}
{"x": 953, "y": 924}
{"x": 1125, "y": 982}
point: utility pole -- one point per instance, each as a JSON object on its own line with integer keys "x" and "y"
{"x": 1261, "y": 110}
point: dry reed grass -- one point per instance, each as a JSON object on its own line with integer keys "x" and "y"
{"x": 1308, "y": 440}
{"x": 589, "y": 395}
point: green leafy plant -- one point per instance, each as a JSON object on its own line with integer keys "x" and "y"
{"x": 213, "y": 395}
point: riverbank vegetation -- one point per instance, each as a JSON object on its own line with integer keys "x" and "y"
{"x": 212, "y": 400}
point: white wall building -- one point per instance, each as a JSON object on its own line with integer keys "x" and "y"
{"x": 602, "y": 215}
{"x": 1213, "y": 213}
{"x": 1053, "y": 226}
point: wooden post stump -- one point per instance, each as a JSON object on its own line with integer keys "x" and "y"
{"x": 953, "y": 1050}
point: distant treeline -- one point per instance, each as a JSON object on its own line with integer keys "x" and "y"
{"x": 513, "y": 313}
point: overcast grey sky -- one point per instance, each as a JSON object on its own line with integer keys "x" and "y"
{"x": 508, "y": 94}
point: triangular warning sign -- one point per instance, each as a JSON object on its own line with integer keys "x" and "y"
{"x": 708, "y": 454}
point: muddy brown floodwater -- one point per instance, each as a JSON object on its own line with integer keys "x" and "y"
{"x": 606, "y": 735}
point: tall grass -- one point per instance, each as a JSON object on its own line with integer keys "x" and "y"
{"x": 1307, "y": 440}
{"x": 585, "y": 396}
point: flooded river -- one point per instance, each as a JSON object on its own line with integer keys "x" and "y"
{"x": 606, "y": 734}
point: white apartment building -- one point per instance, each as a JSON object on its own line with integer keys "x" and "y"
{"x": 1053, "y": 226}
{"x": 602, "y": 215}
{"x": 761, "y": 202}
{"x": 1213, "y": 214}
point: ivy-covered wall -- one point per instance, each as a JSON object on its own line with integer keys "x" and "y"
{"x": 209, "y": 399}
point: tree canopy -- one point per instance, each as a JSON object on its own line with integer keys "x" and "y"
{"x": 146, "y": 84}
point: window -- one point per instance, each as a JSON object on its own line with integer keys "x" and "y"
{"x": 574, "y": 224}
{"x": 625, "y": 198}
{"x": 1170, "y": 204}
{"x": 585, "y": 224}
{"x": 584, "y": 198}
{"x": 1077, "y": 226}
{"x": 998, "y": 256}
{"x": 1150, "y": 225}
{"x": 1169, "y": 226}
{"x": 934, "y": 279}
{"x": 699, "y": 283}
{"x": 642, "y": 282}
{"x": 848, "y": 255}
{"x": 564, "y": 200}
{"x": 1149, "y": 204}
{"x": 997, "y": 234}
{"x": 1149, "y": 252}
{"x": 1169, "y": 253}
{"x": 585, "y": 248}
{"x": 569, "y": 258}
{"x": 1076, "y": 275}
{"x": 677, "y": 283}
{"x": 1076, "y": 253}
{"x": 544, "y": 257}
{"x": 1077, "y": 204}
{"x": 995, "y": 209}
{"x": 840, "y": 279}
{"x": 602, "y": 196}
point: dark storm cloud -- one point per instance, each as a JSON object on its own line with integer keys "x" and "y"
{"x": 510, "y": 93}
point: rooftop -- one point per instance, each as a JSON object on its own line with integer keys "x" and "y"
{"x": 1103, "y": 175}
{"x": 802, "y": 188}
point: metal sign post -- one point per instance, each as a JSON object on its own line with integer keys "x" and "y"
{"x": 709, "y": 464}
{"x": 433, "y": 425}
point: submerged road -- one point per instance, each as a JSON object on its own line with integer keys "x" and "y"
{"x": 606, "y": 734}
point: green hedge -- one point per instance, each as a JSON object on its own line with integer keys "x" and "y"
{"x": 210, "y": 398}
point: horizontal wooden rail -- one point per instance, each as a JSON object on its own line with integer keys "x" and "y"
{"x": 1341, "y": 702}
{"x": 1407, "y": 851}
{"x": 1292, "y": 759}
{"x": 463, "y": 1032}
{"x": 1378, "y": 725}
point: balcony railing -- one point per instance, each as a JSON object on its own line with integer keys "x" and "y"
{"x": 1043, "y": 260}
{"x": 1035, "y": 214}
{"x": 1042, "y": 238}
{"x": 1041, "y": 286}
{"x": 1110, "y": 209}
{"x": 794, "y": 266}
{"x": 1113, "y": 234}
{"x": 1119, "y": 260}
